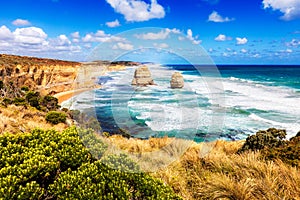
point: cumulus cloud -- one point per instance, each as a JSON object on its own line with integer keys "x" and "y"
{"x": 21, "y": 22}
{"x": 215, "y": 17}
{"x": 138, "y": 10}
{"x": 241, "y": 41}
{"x": 123, "y": 46}
{"x": 193, "y": 39}
{"x": 5, "y": 33}
{"x": 35, "y": 42}
{"x": 157, "y": 36}
{"x": 76, "y": 37}
{"x": 289, "y": 8}
{"x": 222, "y": 38}
{"x": 30, "y": 35}
{"x": 101, "y": 36}
{"x": 113, "y": 24}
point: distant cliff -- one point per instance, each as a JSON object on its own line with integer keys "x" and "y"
{"x": 46, "y": 75}
{"x": 50, "y": 76}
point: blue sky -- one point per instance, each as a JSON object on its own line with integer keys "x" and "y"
{"x": 228, "y": 31}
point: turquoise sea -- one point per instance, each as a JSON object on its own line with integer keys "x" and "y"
{"x": 231, "y": 104}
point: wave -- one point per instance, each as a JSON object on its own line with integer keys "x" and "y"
{"x": 292, "y": 128}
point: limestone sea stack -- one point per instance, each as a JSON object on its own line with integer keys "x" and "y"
{"x": 177, "y": 81}
{"x": 142, "y": 77}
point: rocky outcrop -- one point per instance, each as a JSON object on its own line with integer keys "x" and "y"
{"x": 142, "y": 77}
{"x": 48, "y": 76}
{"x": 177, "y": 81}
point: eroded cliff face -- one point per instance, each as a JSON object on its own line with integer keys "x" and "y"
{"x": 49, "y": 76}
{"x": 45, "y": 75}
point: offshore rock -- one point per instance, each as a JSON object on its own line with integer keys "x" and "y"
{"x": 177, "y": 81}
{"x": 142, "y": 77}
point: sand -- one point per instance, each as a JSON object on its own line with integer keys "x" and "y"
{"x": 64, "y": 96}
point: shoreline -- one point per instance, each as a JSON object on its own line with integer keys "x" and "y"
{"x": 66, "y": 95}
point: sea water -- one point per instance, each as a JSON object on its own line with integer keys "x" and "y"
{"x": 246, "y": 99}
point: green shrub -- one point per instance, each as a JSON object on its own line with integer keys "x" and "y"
{"x": 272, "y": 146}
{"x": 53, "y": 165}
{"x": 288, "y": 153}
{"x": 30, "y": 162}
{"x": 106, "y": 179}
{"x": 50, "y": 102}
{"x": 25, "y": 88}
{"x": 6, "y": 101}
{"x": 19, "y": 101}
{"x": 262, "y": 139}
{"x": 55, "y": 117}
{"x": 33, "y": 98}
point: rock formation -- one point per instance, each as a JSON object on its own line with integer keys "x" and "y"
{"x": 48, "y": 76}
{"x": 177, "y": 80}
{"x": 142, "y": 77}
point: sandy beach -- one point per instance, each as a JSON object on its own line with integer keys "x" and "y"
{"x": 91, "y": 74}
{"x": 64, "y": 96}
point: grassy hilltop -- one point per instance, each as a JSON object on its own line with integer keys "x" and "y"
{"x": 43, "y": 156}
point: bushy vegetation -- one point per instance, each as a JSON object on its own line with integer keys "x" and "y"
{"x": 24, "y": 97}
{"x": 264, "y": 139}
{"x": 272, "y": 145}
{"x": 55, "y": 117}
{"x": 53, "y": 165}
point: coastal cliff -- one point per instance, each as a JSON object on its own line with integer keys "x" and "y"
{"x": 48, "y": 76}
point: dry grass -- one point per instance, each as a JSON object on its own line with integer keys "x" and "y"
{"x": 15, "y": 119}
{"x": 214, "y": 170}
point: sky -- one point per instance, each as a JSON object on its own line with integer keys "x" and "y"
{"x": 223, "y": 31}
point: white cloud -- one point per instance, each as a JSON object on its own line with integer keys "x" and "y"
{"x": 21, "y": 22}
{"x": 256, "y": 55}
{"x": 5, "y": 33}
{"x": 123, "y": 46}
{"x": 63, "y": 40}
{"x": 157, "y": 36}
{"x": 161, "y": 45}
{"x": 222, "y": 38}
{"x": 241, "y": 41}
{"x": 287, "y": 51}
{"x": 293, "y": 43}
{"x": 244, "y": 50}
{"x": 138, "y": 10}
{"x": 193, "y": 39}
{"x": 76, "y": 37}
{"x": 289, "y": 8}
{"x": 101, "y": 36}
{"x": 33, "y": 41}
{"x": 113, "y": 24}
{"x": 30, "y": 35}
{"x": 215, "y": 17}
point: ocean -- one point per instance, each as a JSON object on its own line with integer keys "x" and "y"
{"x": 231, "y": 105}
